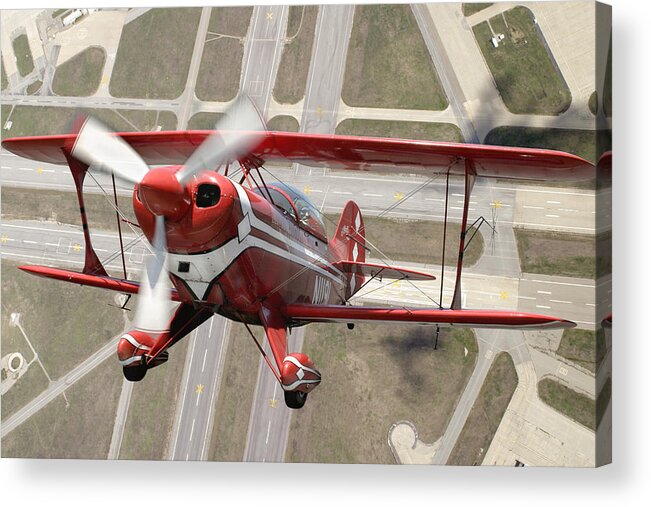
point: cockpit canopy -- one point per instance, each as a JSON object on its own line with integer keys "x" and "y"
{"x": 297, "y": 205}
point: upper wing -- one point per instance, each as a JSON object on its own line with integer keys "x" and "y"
{"x": 347, "y": 152}
{"x": 304, "y": 313}
{"x": 380, "y": 271}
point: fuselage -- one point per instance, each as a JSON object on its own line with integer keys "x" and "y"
{"x": 236, "y": 248}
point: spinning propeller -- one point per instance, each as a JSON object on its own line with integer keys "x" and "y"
{"x": 163, "y": 190}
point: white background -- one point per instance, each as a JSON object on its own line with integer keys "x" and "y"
{"x": 626, "y": 482}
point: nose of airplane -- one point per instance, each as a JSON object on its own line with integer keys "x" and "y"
{"x": 162, "y": 194}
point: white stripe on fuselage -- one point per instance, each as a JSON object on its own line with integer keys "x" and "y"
{"x": 212, "y": 264}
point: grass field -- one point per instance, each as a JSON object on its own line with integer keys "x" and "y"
{"x": 557, "y": 253}
{"x": 81, "y": 431}
{"x": 374, "y": 376}
{"x": 593, "y": 103}
{"x": 578, "y": 142}
{"x": 417, "y": 241}
{"x": 154, "y": 399}
{"x": 388, "y": 64}
{"x": 24, "y": 59}
{"x": 297, "y": 52}
{"x": 81, "y": 75}
{"x": 586, "y": 348}
{"x": 401, "y": 129}
{"x": 575, "y": 405}
{"x": 471, "y": 8}
{"x": 603, "y": 399}
{"x": 29, "y": 204}
{"x": 4, "y": 82}
{"x": 150, "y": 63}
{"x": 233, "y": 406}
{"x": 221, "y": 62}
{"x": 204, "y": 121}
{"x": 45, "y": 120}
{"x": 34, "y": 87}
{"x": 523, "y": 69}
{"x": 283, "y": 123}
{"x": 66, "y": 323}
{"x": 486, "y": 413}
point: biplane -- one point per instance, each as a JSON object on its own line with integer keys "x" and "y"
{"x": 225, "y": 241}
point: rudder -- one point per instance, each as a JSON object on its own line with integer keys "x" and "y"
{"x": 349, "y": 243}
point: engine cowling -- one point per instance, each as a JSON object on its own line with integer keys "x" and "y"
{"x": 133, "y": 348}
{"x": 299, "y": 374}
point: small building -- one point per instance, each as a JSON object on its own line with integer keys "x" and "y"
{"x": 72, "y": 17}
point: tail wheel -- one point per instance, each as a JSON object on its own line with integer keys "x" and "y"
{"x": 295, "y": 399}
{"x": 134, "y": 373}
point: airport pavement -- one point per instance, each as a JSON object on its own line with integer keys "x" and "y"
{"x": 120, "y": 419}
{"x": 270, "y": 419}
{"x": 200, "y": 386}
{"x": 188, "y": 95}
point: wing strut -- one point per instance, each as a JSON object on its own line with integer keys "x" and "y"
{"x": 469, "y": 181}
{"x": 92, "y": 264}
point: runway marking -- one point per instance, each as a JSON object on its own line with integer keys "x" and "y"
{"x": 25, "y": 169}
{"x": 560, "y": 301}
{"x": 553, "y": 202}
{"x": 342, "y": 193}
{"x": 373, "y": 195}
{"x": 553, "y": 216}
{"x": 203, "y": 366}
{"x": 29, "y": 241}
{"x": 543, "y": 292}
{"x": 562, "y": 283}
{"x": 533, "y": 207}
{"x": 590, "y": 304}
{"x": 543, "y": 306}
{"x": 192, "y": 430}
{"x": 525, "y": 297}
{"x": 268, "y": 430}
{"x": 433, "y": 199}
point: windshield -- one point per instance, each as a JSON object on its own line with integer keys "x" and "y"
{"x": 289, "y": 199}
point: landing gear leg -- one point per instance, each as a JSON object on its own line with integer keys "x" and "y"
{"x": 295, "y": 399}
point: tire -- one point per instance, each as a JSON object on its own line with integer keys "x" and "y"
{"x": 134, "y": 373}
{"x": 295, "y": 399}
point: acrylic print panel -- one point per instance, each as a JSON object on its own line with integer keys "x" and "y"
{"x": 398, "y": 270}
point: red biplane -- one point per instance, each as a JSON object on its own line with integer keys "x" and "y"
{"x": 257, "y": 252}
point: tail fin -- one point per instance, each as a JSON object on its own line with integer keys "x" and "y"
{"x": 349, "y": 244}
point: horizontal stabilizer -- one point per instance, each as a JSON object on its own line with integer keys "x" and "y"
{"x": 303, "y": 313}
{"x": 380, "y": 271}
{"x": 103, "y": 282}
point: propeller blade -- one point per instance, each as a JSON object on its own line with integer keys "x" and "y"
{"x": 247, "y": 127}
{"x": 97, "y": 146}
{"x": 154, "y": 303}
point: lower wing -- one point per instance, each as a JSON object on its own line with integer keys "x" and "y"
{"x": 103, "y": 282}
{"x": 303, "y": 313}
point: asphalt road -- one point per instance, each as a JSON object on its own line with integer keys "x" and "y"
{"x": 200, "y": 385}
{"x": 270, "y": 418}
{"x": 262, "y": 53}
